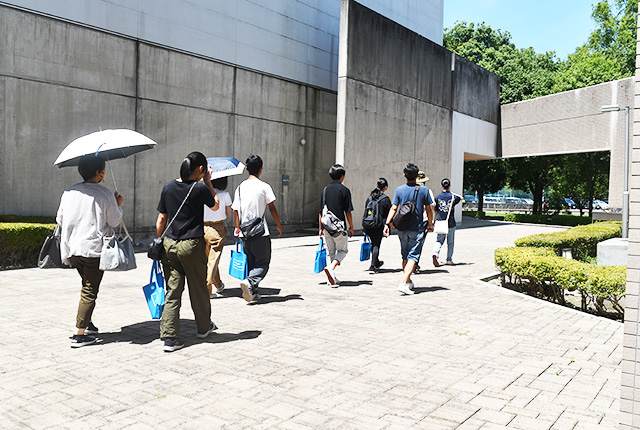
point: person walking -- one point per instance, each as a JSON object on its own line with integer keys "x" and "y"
{"x": 250, "y": 202}
{"x": 336, "y": 204}
{"x": 86, "y": 213}
{"x": 445, "y": 201}
{"x": 413, "y": 232}
{"x": 376, "y": 210}
{"x": 215, "y": 234}
{"x": 422, "y": 179}
{"x": 182, "y": 201}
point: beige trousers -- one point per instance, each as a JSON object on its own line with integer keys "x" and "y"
{"x": 215, "y": 234}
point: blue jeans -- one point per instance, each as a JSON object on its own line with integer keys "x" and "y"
{"x": 440, "y": 241}
{"x": 411, "y": 244}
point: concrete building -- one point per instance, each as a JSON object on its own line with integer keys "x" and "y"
{"x": 238, "y": 78}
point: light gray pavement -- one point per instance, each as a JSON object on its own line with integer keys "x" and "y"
{"x": 460, "y": 354}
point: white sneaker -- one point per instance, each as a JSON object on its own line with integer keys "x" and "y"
{"x": 337, "y": 281}
{"x": 450, "y": 263}
{"x": 331, "y": 275}
{"x": 246, "y": 293}
{"x": 221, "y": 289}
{"x": 404, "y": 289}
{"x": 411, "y": 285}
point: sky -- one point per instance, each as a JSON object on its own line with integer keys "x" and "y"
{"x": 545, "y": 25}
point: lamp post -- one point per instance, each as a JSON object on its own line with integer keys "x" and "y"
{"x": 625, "y": 192}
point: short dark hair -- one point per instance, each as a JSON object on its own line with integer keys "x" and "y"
{"x": 411, "y": 171}
{"x": 191, "y": 163}
{"x": 254, "y": 164}
{"x": 337, "y": 171}
{"x": 90, "y": 165}
{"x": 446, "y": 183}
{"x": 220, "y": 183}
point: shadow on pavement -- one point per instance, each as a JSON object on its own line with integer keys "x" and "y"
{"x": 428, "y": 271}
{"x": 354, "y": 283}
{"x": 274, "y": 299}
{"x": 237, "y": 292}
{"x": 420, "y": 290}
{"x": 146, "y": 332}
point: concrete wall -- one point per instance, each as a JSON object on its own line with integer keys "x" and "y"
{"x": 397, "y": 94}
{"x": 59, "y": 81}
{"x": 572, "y": 122}
{"x": 294, "y": 39}
{"x": 630, "y": 387}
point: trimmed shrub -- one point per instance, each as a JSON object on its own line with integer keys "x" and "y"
{"x": 540, "y": 273}
{"x": 568, "y": 220}
{"x": 583, "y": 240}
{"x": 20, "y": 243}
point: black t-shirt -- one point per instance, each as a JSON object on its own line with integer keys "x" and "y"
{"x": 337, "y": 198}
{"x": 189, "y": 224}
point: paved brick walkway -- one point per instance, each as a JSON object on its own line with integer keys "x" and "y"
{"x": 460, "y": 354}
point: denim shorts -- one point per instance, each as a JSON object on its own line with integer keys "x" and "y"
{"x": 411, "y": 242}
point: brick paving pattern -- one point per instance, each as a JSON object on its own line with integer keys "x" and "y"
{"x": 459, "y": 354}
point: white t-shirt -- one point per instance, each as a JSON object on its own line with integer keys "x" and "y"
{"x": 251, "y": 199}
{"x": 221, "y": 213}
{"x": 86, "y": 212}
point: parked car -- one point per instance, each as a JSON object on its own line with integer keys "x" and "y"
{"x": 528, "y": 201}
{"x": 599, "y": 204}
{"x": 570, "y": 203}
{"x": 492, "y": 199}
{"x": 515, "y": 200}
{"x": 470, "y": 199}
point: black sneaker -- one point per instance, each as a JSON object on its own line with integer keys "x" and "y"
{"x": 379, "y": 265}
{"x": 172, "y": 344}
{"x": 80, "y": 340}
{"x": 91, "y": 329}
{"x": 416, "y": 269}
{"x": 212, "y": 327}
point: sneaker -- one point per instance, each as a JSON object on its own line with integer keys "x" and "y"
{"x": 91, "y": 329}
{"x": 435, "y": 261}
{"x": 246, "y": 291}
{"x": 221, "y": 289}
{"x": 212, "y": 327}
{"x": 331, "y": 275}
{"x": 450, "y": 263}
{"x": 172, "y": 344}
{"x": 373, "y": 270}
{"x": 411, "y": 285}
{"x": 416, "y": 269}
{"x": 404, "y": 289}
{"x": 380, "y": 263}
{"x": 79, "y": 340}
{"x": 256, "y": 298}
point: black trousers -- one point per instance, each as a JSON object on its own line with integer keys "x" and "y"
{"x": 376, "y": 236}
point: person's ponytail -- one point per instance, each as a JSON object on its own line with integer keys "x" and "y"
{"x": 377, "y": 192}
{"x": 191, "y": 163}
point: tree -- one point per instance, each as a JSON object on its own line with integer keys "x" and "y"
{"x": 484, "y": 176}
{"x": 531, "y": 174}
{"x": 583, "y": 177}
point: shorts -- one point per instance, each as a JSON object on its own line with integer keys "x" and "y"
{"x": 411, "y": 242}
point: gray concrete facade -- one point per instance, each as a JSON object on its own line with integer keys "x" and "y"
{"x": 59, "y": 81}
{"x": 571, "y": 122}
{"x": 398, "y": 94}
{"x": 630, "y": 390}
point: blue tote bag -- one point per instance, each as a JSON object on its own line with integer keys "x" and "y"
{"x": 238, "y": 265}
{"x": 365, "y": 249}
{"x": 154, "y": 291}
{"x": 321, "y": 257}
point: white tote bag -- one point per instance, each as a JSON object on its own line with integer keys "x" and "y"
{"x": 117, "y": 251}
{"x": 442, "y": 226}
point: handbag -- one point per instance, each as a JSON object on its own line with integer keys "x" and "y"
{"x": 442, "y": 226}
{"x": 329, "y": 221}
{"x": 238, "y": 267}
{"x": 117, "y": 251}
{"x": 365, "y": 249}
{"x": 156, "y": 247}
{"x": 321, "y": 257}
{"x": 50, "y": 256}
{"x": 253, "y": 227}
{"x": 154, "y": 291}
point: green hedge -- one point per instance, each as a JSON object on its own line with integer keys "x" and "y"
{"x": 539, "y": 272}
{"x": 20, "y": 243}
{"x": 568, "y": 220}
{"x": 583, "y": 240}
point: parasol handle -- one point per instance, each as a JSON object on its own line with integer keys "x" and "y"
{"x": 115, "y": 186}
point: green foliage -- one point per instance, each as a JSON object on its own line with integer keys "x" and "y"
{"x": 568, "y": 220}
{"x": 20, "y": 243}
{"x": 484, "y": 176}
{"x": 583, "y": 240}
{"x": 28, "y": 219}
{"x": 541, "y": 273}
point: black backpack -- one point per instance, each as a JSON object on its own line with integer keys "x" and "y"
{"x": 372, "y": 218}
{"x": 405, "y": 211}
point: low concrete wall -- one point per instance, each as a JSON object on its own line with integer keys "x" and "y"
{"x": 60, "y": 81}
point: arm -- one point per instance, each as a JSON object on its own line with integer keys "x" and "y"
{"x": 320, "y": 223}
{"x": 350, "y": 219}
{"x": 227, "y": 210}
{"x": 236, "y": 223}
{"x": 274, "y": 214}
{"x": 161, "y": 223}
{"x": 207, "y": 182}
{"x": 392, "y": 212}
{"x": 431, "y": 216}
